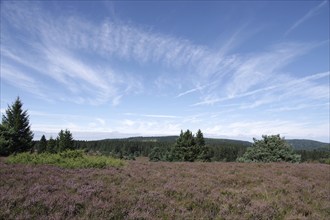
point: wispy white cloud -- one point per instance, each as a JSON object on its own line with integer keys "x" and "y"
{"x": 93, "y": 63}
{"x": 198, "y": 88}
{"x": 298, "y": 107}
{"x": 152, "y": 115}
{"x": 149, "y": 127}
{"x": 16, "y": 77}
{"x": 108, "y": 40}
{"x": 290, "y": 129}
{"x": 88, "y": 82}
{"x": 307, "y": 16}
{"x": 54, "y": 122}
{"x": 288, "y": 86}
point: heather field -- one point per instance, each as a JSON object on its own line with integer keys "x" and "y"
{"x": 162, "y": 190}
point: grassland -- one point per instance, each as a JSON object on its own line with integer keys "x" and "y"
{"x": 160, "y": 190}
{"x": 67, "y": 159}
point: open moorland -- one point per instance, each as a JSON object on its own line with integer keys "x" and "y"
{"x": 163, "y": 190}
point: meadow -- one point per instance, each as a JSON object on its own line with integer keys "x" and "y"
{"x": 162, "y": 190}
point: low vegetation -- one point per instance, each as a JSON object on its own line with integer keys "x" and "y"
{"x": 66, "y": 159}
{"x": 163, "y": 190}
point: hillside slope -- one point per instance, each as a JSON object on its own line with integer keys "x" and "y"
{"x": 303, "y": 144}
{"x": 297, "y": 144}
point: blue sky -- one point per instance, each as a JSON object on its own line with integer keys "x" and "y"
{"x": 114, "y": 69}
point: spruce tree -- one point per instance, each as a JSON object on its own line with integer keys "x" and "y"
{"x": 6, "y": 140}
{"x": 200, "y": 138}
{"x": 201, "y": 151}
{"x": 51, "y": 145}
{"x": 16, "y": 122}
{"x": 65, "y": 141}
{"x": 183, "y": 149}
{"x": 42, "y": 145}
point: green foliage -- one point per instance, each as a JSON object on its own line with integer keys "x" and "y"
{"x": 156, "y": 154}
{"x": 200, "y": 141}
{"x": 6, "y": 141}
{"x": 189, "y": 148}
{"x": 16, "y": 135}
{"x": 271, "y": 148}
{"x": 64, "y": 141}
{"x": 42, "y": 145}
{"x": 183, "y": 149}
{"x": 72, "y": 154}
{"x": 314, "y": 156}
{"x": 217, "y": 149}
{"x": 51, "y": 145}
{"x": 325, "y": 160}
{"x": 302, "y": 144}
{"x": 66, "y": 159}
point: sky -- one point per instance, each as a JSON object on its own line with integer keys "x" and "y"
{"x": 234, "y": 69}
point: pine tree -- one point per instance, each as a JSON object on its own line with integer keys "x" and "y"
{"x": 271, "y": 148}
{"x": 16, "y": 122}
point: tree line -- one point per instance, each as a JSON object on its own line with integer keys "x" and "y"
{"x": 16, "y": 137}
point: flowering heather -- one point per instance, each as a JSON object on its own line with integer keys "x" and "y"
{"x": 161, "y": 190}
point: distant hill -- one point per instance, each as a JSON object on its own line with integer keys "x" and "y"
{"x": 153, "y": 139}
{"x": 210, "y": 141}
{"x": 297, "y": 144}
{"x": 303, "y": 144}
{"x": 216, "y": 141}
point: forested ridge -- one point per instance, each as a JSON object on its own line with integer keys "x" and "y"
{"x": 16, "y": 137}
{"x": 221, "y": 149}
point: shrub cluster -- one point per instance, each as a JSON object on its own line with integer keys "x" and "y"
{"x": 271, "y": 148}
{"x": 66, "y": 159}
{"x": 188, "y": 147}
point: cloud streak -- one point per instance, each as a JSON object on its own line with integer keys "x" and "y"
{"x": 307, "y": 16}
{"x": 87, "y": 82}
{"x": 71, "y": 59}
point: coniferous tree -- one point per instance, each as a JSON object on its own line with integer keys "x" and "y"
{"x": 51, "y": 145}
{"x": 65, "y": 141}
{"x": 200, "y": 141}
{"x": 16, "y": 128}
{"x": 189, "y": 148}
{"x": 6, "y": 140}
{"x": 42, "y": 145}
{"x": 202, "y": 152}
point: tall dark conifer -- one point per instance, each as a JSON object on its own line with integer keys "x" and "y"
{"x": 17, "y": 121}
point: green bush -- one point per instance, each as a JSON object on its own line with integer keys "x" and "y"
{"x": 271, "y": 148}
{"x": 72, "y": 154}
{"x": 325, "y": 160}
{"x": 66, "y": 159}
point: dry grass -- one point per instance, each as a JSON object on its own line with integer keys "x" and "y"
{"x": 160, "y": 190}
